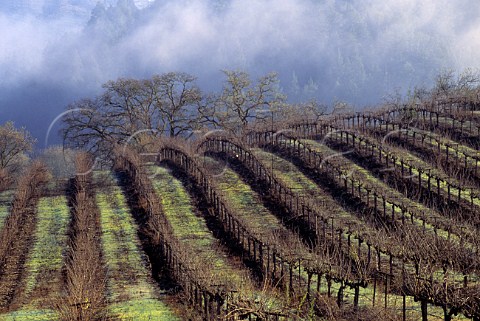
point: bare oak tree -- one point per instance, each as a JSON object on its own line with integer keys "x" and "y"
{"x": 87, "y": 126}
{"x": 14, "y": 144}
{"x": 241, "y": 102}
{"x": 301, "y": 112}
{"x": 448, "y": 84}
{"x": 133, "y": 111}
{"x": 179, "y": 98}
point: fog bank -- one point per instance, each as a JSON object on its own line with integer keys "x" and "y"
{"x": 54, "y": 52}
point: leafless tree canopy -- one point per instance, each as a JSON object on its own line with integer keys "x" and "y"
{"x": 133, "y": 111}
{"x": 241, "y": 101}
{"x": 448, "y": 84}
{"x": 14, "y": 144}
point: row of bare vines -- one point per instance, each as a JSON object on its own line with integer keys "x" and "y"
{"x": 404, "y": 169}
{"x": 18, "y": 230}
{"x": 285, "y": 262}
{"x": 417, "y": 275}
{"x": 211, "y": 295}
{"x": 85, "y": 277}
{"x": 383, "y": 127}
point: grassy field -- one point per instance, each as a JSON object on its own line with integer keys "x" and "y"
{"x": 132, "y": 294}
{"x": 439, "y": 143}
{"x": 191, "y": 229}
{"x": 44, "y": 282}
{"x": 360, "y": 174}
{"x": 421, "y": 169}
{"x": 249, "y": 204}
{"x": 338, "y": 227}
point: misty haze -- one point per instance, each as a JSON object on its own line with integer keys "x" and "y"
{"x": 55, "y": 52}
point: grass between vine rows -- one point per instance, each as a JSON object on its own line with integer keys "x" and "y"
{"x": 363, "y": 175}
{"x": 260, "y": 219}
{"x": 192, "y": 229}
{"x": 468, "y": 193}
{"x": 132, "y": 294}
{"x": 442, "y": 142}
{"x": 43, "y": 281}
{"x": 293, "y": 178}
